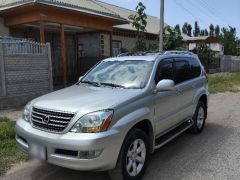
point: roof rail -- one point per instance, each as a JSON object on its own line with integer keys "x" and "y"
{"x": 157, "y": 53}
{"x": 141, "y": 53}
{"x": 179, "y": 52}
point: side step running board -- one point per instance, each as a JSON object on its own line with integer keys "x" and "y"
{"x": 165, "y": 138}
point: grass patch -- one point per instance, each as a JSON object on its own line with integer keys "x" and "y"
{"x": 9, "y": 153}
{"x": 223, "y": 82}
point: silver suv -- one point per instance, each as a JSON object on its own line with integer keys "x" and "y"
{"x": 118, "y": 113}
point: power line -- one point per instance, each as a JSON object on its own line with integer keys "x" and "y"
{"x": 214, "y": 11}
{"x": 202, "y": 8}
{"x": 184, "y": 8}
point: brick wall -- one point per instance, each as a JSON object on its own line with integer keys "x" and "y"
{"x": 24, "y": 75}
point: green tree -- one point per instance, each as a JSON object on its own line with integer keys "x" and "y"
{"x": 172, "y": 38}
{"x": 185, "y": 28}
{"x": 189, "y": 30}
{"x": 229, "y": 40}
{"x": 217, "y": 31}
{"x": 202, "y": 32}
{"x": 177, "y": 29}
{"x": 139, "y": 22}
{"x": 206, "y": 32}
{"x": 205, "y": 54}
{"x": 211, "y": 30}
{"x": 196, "y": 31}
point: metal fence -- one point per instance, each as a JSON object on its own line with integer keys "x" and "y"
{"x": 25, "y": 71}
{"x": 23, "y": 47}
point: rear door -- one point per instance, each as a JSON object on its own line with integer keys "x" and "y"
{"x": 185, "y": 85}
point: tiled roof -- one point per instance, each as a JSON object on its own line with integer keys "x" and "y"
{"x": 94, "y": 7}
{"x": 88, "y": 6}
{"x": 153, "y": 23}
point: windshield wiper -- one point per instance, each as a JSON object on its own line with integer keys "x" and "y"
{"x": 91, "y": 82}
{"x": 113, "y": 85}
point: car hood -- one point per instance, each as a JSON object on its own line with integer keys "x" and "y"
{"x": 84, "y": 98}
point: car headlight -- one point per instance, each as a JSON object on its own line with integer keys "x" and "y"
{"x": 93, "y": 122}
{"x": 26, "y": 112}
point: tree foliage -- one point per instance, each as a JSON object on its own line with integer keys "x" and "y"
{"x": 204, "y": 53}
{"x": 196, "y": 31}
{"x": 139, "y": 22}
{"x": 206, "y": 32}
{"x": 229, "y": 40}
{"x": 189, "y": 30}
{"x": 217, "y": 30}
{"x": 172, "y": 38}
{"x": 185, "y": 28}
{"x": 211, "y": 30}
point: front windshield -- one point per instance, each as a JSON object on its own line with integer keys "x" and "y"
{"x": 127, "y": 74}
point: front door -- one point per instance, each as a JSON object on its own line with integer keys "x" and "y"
{"x": 166, "y": 102}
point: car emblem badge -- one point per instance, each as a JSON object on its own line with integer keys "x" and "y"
{"x": 46, "y": 119}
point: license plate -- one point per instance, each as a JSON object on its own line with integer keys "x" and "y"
{"x": 38, "y": 151}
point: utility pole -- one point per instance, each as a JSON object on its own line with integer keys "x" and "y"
{"x": 161, "y": 25}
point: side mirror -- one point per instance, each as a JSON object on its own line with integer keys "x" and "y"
{"x": 80, "y": 78}
{"x": 165, "y": 85}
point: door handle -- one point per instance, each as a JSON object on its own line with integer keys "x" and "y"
{"x": 194, "y": 86}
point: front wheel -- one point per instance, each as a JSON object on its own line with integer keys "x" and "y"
{"x": 199, "y": 118}
{"x": 133, "y": 158}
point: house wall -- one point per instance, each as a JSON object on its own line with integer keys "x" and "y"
{"x": 91, "y": 43}
{"x": 128, "y": 43}
{"x": 4, "y": 31}
{"x": 217, "y": 47}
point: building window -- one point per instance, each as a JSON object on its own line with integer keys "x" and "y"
{"x": 116, "y": 47}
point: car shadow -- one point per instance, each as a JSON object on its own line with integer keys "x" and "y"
{"x": 181, "y": 156}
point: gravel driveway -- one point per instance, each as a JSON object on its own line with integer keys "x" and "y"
{"x": 214, "y": 154}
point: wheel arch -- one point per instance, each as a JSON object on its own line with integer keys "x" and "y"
{"x": 146, "y": 126}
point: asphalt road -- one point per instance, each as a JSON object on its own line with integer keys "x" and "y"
{"x": 214, "y": 154}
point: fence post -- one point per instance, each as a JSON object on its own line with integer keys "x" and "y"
{"x": 2, "y": 71}
{"x": 50, "y": 66}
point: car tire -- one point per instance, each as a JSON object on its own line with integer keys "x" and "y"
{"x": 199, "y": 118}
{"x": 133, "y": 158}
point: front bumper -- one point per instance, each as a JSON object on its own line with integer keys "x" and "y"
{"x": 109, "y": 142}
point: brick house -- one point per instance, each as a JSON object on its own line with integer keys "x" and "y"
{"x": 81, "y": 32}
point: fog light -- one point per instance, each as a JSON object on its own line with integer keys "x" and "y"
{"x": 89, "y": 154}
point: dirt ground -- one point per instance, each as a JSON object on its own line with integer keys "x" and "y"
{"x": 12, "y": 114}
{"x": 212, "y": 155}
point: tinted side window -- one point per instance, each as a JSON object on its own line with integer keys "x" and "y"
{"x": 165, "y": 71}
{"x": 182, "y": 71}
{"x": 195, "y": 68}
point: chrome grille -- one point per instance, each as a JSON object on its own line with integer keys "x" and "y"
{"x": 50, "y": 120}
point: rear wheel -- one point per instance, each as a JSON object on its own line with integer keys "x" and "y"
{"x": 133, "y": 158}
{"x": 199, "y": 118}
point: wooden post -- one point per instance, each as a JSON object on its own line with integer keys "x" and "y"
{"x": 63, "y": 54}
{"x": 111, "y": 50}
{"x": 2, "y": 71}
{"x": 42, "y": 33}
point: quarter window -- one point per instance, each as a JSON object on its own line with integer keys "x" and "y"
{"x": 195, "y": 68}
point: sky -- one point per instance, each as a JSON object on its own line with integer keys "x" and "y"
{"x": 221, "y": 12}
